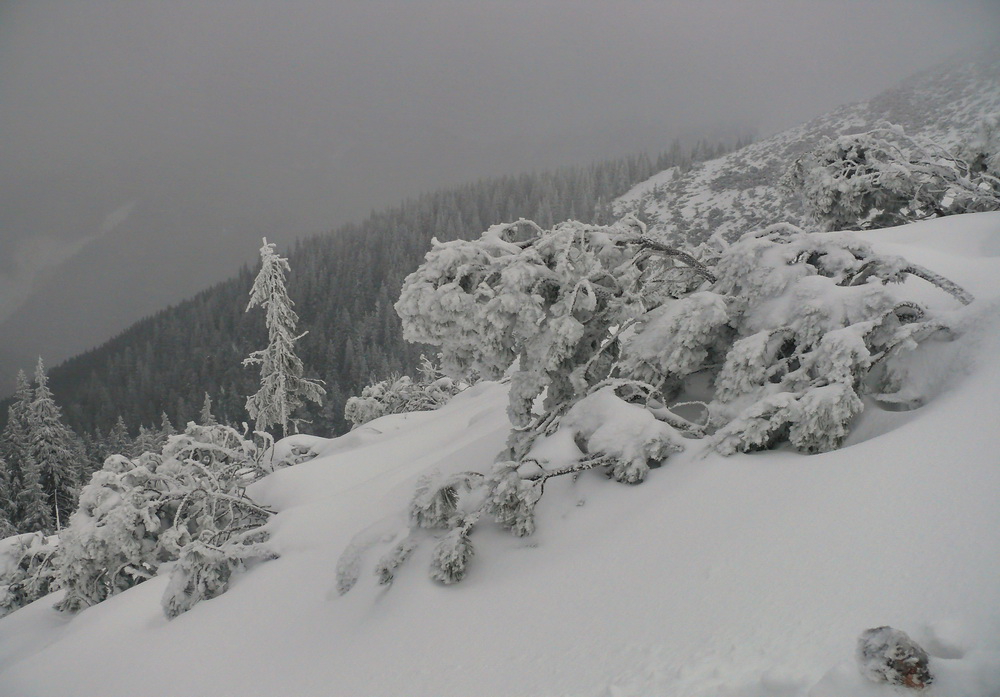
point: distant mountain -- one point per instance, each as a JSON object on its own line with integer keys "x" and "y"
{"x": 739, "y": 191}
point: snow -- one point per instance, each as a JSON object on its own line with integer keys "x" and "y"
{"x": 746, "y": 576}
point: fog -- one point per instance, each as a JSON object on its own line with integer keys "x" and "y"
{"x": 146, "y": 146}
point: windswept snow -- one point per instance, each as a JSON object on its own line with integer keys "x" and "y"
{"x": 747, "y": 576}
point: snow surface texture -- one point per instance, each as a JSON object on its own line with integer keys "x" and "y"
{"x": 747, "y": 576}
{"x": 739, "y": 192}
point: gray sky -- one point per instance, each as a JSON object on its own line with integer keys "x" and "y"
{"x": 157, "y": 141}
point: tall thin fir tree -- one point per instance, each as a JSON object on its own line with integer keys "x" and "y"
{"x": 6, "y": 500}
{"x": 119, "y": 442}
{"x": 283, "y": 389}
{"x": 34, "y": 511}
{"x": 15, "y": 449}
{"x": 54, "y": 449}
{"x": 207, "y": 418}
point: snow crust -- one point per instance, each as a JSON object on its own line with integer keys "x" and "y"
{"x": 746, "y": 576}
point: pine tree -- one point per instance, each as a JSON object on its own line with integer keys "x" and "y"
{"x": 119, "y": 441}
{"x": 148, "y": 441}
{"x": 207, "y": 418}
{"x": 14, "y": 447}
{"x": 54, "y": 449}
{"x": 282, "y": 387}
{"x": 34, "y": 511}
{"x": 6, "y": 494}
{"x": 166, "y": 428}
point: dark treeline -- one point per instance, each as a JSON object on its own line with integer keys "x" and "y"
{"x": 344, "y": 285}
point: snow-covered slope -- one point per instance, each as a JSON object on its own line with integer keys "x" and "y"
{"x": 748, "y": 576}
{"x": 739, "y": 192}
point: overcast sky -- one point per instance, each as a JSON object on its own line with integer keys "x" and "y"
{"x": 206, "y": 124}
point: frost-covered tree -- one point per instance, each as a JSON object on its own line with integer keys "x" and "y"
{"x": 283, "y": 389}
{"x": 205, "y": 566}
{"x": 550, "y": 308}
{"x": 820, "y": 319}
{"x": 399, "y": 394}
{"x": 551, "y": 301}
{"x": 884, "y": 177}
{"x": 55, "y": 449}
{"x": 206, "y": 417}
{"x": 27, "y": 569}
{"x": 148, "y": 440}
{"x": 14, "y": 448}
{"x": 607, "y": 335}
{"x": 134, "y": 515}
{"x": 34, "y": 513}
{"x": 6, "y": 500}
{"x": 119, "y": 442}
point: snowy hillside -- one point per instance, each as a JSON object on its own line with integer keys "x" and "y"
{"x": 739, "y": 192}
{"x": 747, "y": 576}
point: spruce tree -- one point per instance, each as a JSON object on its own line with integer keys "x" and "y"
{"x": 207, "y": 418}
{"x": 34, "y": 510}
{"x": 119, "y": 441}
{"x": 6, "y": 493}
{"x": 166, "y": 428}
{"x": 283, "y": 389}
{"x": 14, "y": 447}
{"x": 54, "y": 449}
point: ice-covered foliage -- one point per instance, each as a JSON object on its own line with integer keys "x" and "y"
{"x": 884, "y": 177}
{"x": 283, "y": 387}
{"x": 435, "y": 501}
{"x": 818, "y": 319}
{"x": 134, "y": 515}
{"x": 55, "y": 449}
{"x": 623, "y": 347}
{"x": 548, "y": 302}
{"x": 27, "y": 569}
{"x": 204, "y": 567}
{"x": 607, "y": 425}
{"x": 399, "y": 394}
{"x": 452, "y": 554}
{"x": 887, "y": 655}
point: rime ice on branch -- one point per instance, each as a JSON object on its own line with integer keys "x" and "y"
{"x": 282, "y": 385}
{"x": 605, "y": 334}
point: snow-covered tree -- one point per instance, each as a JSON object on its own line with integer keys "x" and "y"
{"x": 205, "y": 566}
{"x": 55, "y": 449}
{"x": 28, "y": 565}
{"x": 206, "y": 417}
{"x": 553, "y": 301}
{"x": 884, "y": 177}
{"x": 33, "y": 509}
{"x": 14, "y": 448}
{"x": 283, "y": 389}
{"x": 820, "y": 319}
{"x": 607, "y": 334}
{"x": 6, "y": 523}
{"x": 148, "y": 440}
{"x": 399, "y": 394}
{"x": 119, "y": 442}
{"x": 134, "y": 515}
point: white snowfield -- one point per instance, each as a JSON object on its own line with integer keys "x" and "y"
{"x": 747, "y": 576}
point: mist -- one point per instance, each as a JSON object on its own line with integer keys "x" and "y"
{"x": 145, "y": 147}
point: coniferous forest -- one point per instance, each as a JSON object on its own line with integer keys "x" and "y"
{"x": 344, "y": 285}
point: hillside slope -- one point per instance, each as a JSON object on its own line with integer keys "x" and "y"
{"x": 344, "y": 285}
{"x": 748, "y": 576}
{"x": 740, "y": 191}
